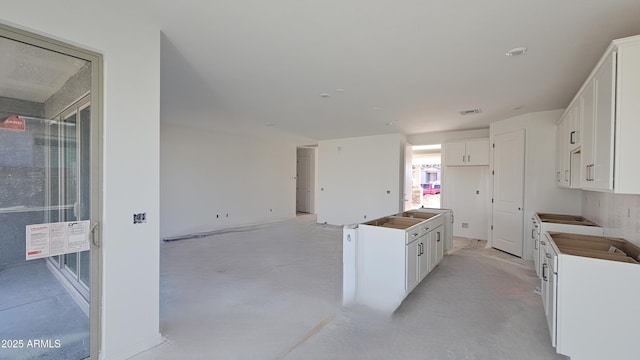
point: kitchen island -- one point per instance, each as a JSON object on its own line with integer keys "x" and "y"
{"x": 386, "y": 258}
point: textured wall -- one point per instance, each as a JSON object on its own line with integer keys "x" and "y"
{"x": 75, "y": 88}
{"x": 10, "y": 106}
{"x": 618, "y": 214}
{"x": 22, "y": 180}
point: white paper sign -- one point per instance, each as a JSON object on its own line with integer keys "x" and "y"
{"x": 44, "y": 240}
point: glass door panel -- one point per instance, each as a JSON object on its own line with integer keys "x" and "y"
{"x": 45, "y": 167}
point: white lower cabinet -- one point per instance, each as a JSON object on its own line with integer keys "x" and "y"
{"x": 436, "y": 251}
{"x": 423, "y": 257}
{"x": 591, "y": 293}
{"x": 392, "y": 255}
{"x": 414, "y": 267}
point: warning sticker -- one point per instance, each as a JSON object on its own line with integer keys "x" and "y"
{"x": 12, "y": 122}
{"x": 44, "y": 240}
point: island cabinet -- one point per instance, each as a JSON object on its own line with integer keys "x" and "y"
{"x": 389, "y": 256}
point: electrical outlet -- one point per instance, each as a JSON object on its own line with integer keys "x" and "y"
{"x": 465, "y": 225}
{"x": 139, "y": 218}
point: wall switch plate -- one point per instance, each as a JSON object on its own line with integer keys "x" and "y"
{"x": 465, "y": 225}
{"x": 140, "y": 218}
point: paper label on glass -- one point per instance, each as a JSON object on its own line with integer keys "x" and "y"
{"x": 44, "y": 240}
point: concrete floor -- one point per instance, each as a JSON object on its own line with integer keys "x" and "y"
{"x": 35, "y": 306}
{"x": 274, "y": 292}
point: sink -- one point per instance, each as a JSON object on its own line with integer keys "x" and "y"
{"x": 598, "y": 247}
{"x": 566, "y": 219}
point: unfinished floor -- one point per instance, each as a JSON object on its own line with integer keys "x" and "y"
{"x": 274, "y": 292}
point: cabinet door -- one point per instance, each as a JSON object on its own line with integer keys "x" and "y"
{"x": 587, "y": 100}
{"x": 477, "y": 152}
{"x": 424, "y": 256}
{"x": 411, "y": 274}
{"x": 559, "y": 164}
{"x": 455, "y": 153}
{"x": 566, "y": 153}
{"x": 572, "y": 137}
{"x": 602, "y": 169}
{"x": 438, "y": 233}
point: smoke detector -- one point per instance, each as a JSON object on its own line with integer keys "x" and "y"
{"x": 470, "y": 112}
{"x": 517, "y": 51}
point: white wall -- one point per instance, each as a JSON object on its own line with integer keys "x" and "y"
{"x": 540, "y": 191}
{"x": 204, "y": 174}
{"x": 444, "y": 136}
{"x": 354, "y": 176}
{"x": 467, "y": 191}
{"x": 619, "y": 214}
{"x": 131, "y": 49}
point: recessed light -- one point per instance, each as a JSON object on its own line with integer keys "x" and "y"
{"x": 269, "y": 124}
{"x": 516, "y": 51}
{"x": 389, "y": 124}
{"x": 517, "y": 107}
{"x": 324, "y": 95}
{"x": 340, "y": 90}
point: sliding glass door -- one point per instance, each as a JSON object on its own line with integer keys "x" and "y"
{"x": 50, "y": 198}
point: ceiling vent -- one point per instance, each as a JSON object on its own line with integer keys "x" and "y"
{"x": 470, "y": 112}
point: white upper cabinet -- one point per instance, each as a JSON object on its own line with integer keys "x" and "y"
{"x": 467, "y": 152}
{"x": 605, "y": 129}
{"x": 597, "y": 157}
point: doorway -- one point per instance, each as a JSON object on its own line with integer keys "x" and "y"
{"x": 427, "y": 176}
{"x": 50, "y": 198}
{"x": 305, "y": 179}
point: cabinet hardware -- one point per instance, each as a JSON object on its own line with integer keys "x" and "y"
{"x": 543, "y": 242}
{"x": 532, "y": 231}
{"x": 544, "y": 267}
{"x": 548, "y": 256}
{"x": 463, "y": 158}
{"x": 535, "y": 244}
{"x": 468, "y": 158}
{"x": 414, "y": 234}
{"x": 572, "y": 137}
{"x": 438, "y": 235}
{"x": 94, "y": 239}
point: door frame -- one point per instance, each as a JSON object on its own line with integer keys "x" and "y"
{"x": 97, "y": 81}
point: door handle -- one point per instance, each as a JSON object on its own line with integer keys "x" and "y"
{"x": 94, "y": 239}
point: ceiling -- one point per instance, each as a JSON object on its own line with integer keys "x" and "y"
{"x": 31, "y": 73}
{"x": 310, "y": 70}
{"x": 386, "y": 66}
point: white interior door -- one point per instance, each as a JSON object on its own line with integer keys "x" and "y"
{"x": 303, "y": 181}
{"x": 508, "y": 191}
{"x": 407, "y": 202}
